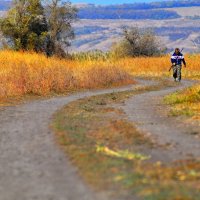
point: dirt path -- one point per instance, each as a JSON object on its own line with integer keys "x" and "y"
{"x": 32, "y": 167}
{"x": 151, "y": 116}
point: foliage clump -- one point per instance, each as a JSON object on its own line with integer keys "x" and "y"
{"x": 137, "y": 43}
{"x": 31, "y": 25}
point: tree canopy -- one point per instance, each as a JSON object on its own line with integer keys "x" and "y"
{"x": 37, "y": 26}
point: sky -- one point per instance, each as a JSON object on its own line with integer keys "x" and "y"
{"x": 105, "y": 2}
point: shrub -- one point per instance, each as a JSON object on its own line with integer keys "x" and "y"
{"x": 137, "y": 43}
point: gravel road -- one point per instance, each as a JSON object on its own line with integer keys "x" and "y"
{"x": 32, "y": 167}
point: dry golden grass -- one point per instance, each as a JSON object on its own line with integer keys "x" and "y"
{"x": 24, "y": 73}
{"x": 186, "y": 102}
{"x": 159, "y": 66}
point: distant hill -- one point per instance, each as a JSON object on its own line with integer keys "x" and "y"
{"x": 156, "y": 10}
{"x": 181, "y": 32}
{"x": 176, "y": 23}
{"x": 155, "y": 5}
{"x": 112, "y": 13}
{"x": 137, "y": 11}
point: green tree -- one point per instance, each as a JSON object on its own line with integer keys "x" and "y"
{"x": 25, "y": 25}
{"x": 60, "y": 17}
{"x": 39, "y": 26}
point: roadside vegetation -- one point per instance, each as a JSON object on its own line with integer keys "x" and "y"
{"x": 186, "y": 102}
{"x": 34, "y": 62}
{"x": 108, "y": 151}
{"x": 23, "y": 73}
{"x": 142, "y": 66}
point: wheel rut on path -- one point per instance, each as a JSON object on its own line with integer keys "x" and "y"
{"x": 151, "y": 116}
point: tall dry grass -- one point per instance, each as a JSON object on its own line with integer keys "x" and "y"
{"x": 30, "y": 73}
{"x": 159, "y": 66}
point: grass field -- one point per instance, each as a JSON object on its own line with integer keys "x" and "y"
{"x": 22, "y": 73}
{"x": 159, "y": 66}
{"x": 186, "y": 102}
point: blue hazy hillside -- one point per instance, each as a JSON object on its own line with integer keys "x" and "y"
{"x": 125, "y": 13}
{"x": 176, "y": 23}
{"x": 151, "y": 10}
{"x": 109, "y": 2}
{"x": 112, "y": 2}
{"x": 155, "y": 10}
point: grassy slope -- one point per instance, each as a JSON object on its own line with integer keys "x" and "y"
{"x": 186, "y": 102}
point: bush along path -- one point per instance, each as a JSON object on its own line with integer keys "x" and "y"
{"x": 33, "y": 167}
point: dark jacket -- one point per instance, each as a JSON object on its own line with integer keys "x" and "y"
{"x": 178, "y": 59}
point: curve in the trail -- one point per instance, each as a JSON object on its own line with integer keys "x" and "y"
{"x": 151, "y": 116}
{"x": 32, "y": 167}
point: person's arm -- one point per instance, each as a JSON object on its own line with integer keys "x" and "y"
{"x": 184, "y": 62}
